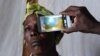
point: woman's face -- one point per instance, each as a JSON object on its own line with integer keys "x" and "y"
{"x": 38, "y": 42}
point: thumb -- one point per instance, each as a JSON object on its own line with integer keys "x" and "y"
{"x": 69, "y": 30}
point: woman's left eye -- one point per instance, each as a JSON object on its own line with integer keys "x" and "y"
{"x": 27, "y": 29}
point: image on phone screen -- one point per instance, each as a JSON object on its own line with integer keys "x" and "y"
{"x": 50, "y": 23}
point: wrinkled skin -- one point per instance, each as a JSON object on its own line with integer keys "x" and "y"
{"x": 83, "y": 20}
{"x": 39, "y": 44}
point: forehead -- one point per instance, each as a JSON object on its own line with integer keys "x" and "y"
{"x": 30, "y": 19}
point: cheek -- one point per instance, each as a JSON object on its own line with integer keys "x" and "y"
{"x": 45, "y": 36}
{"x": 27, "y": 37}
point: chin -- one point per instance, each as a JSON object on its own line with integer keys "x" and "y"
{"x": 37, "y": 50}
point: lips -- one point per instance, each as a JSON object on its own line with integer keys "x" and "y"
{"x": 34, "y": 43}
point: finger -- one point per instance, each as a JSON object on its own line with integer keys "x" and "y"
{"x": 73, "y": 8}
{"x": 72, "y": 11}
{"x": 63, "y": 13}
{"x": 76, "y": 20}
{"x": 69, "y": 30}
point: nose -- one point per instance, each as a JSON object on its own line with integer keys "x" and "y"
{"x": 34, "y": 34}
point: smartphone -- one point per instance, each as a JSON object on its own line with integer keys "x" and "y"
{"x": 67, "y": 20}
{"x": 53, "y": 23}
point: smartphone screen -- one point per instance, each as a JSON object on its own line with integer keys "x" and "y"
{"x": 68, "y": 20}
{"x": 53, "y": 23}
{"x": 50, "y": 23}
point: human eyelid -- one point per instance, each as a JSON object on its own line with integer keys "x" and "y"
{"x": 27, "y": 28}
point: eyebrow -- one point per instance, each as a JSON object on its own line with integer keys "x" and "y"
{"x": 25, "y": 22}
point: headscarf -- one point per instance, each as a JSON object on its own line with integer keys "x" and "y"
{"x": 36, "y": 9}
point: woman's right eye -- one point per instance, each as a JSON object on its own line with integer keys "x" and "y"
{"x": 27, "y": 29}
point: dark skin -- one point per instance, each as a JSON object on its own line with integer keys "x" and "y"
{"x": 39, "y": 43}
{"x": 83, "y": 20}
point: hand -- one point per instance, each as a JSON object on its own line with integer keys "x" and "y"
{"x": 83, "y": 20}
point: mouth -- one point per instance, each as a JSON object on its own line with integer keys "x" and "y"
{"x": 34, "y": 43}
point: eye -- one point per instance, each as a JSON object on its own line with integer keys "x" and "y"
{"x": 27, "y": 29}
